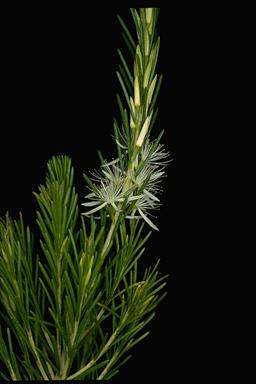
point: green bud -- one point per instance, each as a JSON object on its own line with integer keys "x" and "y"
{"x": 132, "y": 104}
{"x": 151, "y": 89}
{"x": 139, "y": 57}
{"x": 151, "y": 61}
{"x": 135, "y": 68}
{"x": 146, "y": 42}
{"x": 147, "y": 74}
{"x": 132, "y": 123}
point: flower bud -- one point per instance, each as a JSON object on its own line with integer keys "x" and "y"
{"x": 139, "y": 57}
{"x": 147, "y": 74}
{"x": 151, "y": 89}
{"x": 150, "y": 28}
{"x": 151, "y": 63}
{"x": 135, "y": 68}
{"x": 132, "y": 123}
{"x": 136, "y": 92}
{"x": 149, "y": 14}
{"x": 143, "y": 131}
{"x": 132, "y": 105}
{"x": 146, "y": 42}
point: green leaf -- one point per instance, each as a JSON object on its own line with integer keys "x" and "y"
{"x": 13, "y": 361}
{"x": 126, "y": 95}
{"x": 130, "y": 77}
{"x": 127, "y": 33}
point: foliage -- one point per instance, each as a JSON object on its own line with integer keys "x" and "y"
{"x": 73, "y": 304}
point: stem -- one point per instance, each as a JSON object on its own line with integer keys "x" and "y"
{"x": 78, "y": 373}
{"x": 68, "y": 359}
{"x": 108, "y": 366}
{"x": 130, "y": 168}
{"x": 38, "y": 361}
{"x": 110, "y": 233}
{"x": 61, "y": 354}
{"x": 103, "y": 351}
{"x": 13, "y": 376}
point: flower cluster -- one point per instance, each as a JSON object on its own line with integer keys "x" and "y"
{"x": 137, "y": 190}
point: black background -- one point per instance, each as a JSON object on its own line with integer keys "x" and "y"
{"x": 58, "y": 88}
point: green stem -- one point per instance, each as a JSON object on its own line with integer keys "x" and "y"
{"x": 38, "y": 361}
{"x": 59, "y": 314}
{"x": 68, "y": 360}
{"x": 127, "y": 184}
{"x": 103, "y": 351}
{"x": 110, "y": 234}
{"x": 108, "y": 366}
{"x": 85, "y": 368}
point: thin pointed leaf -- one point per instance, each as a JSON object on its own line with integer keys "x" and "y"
{"x": 127, "y": 33}
{"x": 126, "y": 95}
{"x": 130, "y": 77}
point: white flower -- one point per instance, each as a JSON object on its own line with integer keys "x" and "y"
{"x": 108, "y": 191}
{"x": 148, "y": 178}
{"x": 154, "y": 156}
{"x": 154, "y": 160}
{"x": 139, "y": 188}
{"x": 142, "y": 206}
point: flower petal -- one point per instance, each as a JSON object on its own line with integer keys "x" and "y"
{"x": 131, "y": 198}
{"x": 92, "y": 194}
{"x": 152, "y": 225}
{"x": 94, "y": 209}
{"x": 91, "y": 203}
{"x": 151, "y": 195}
